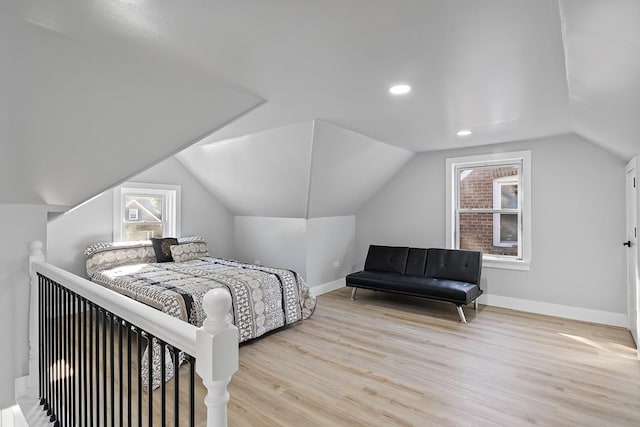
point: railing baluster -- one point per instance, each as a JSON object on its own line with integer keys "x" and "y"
{"x": 50, "y": 337}
{"x": 72, "y": 357}
{"x": 81, "y": 361}
{"x": 150, "y": 339}
{"x": 139, "y": 357}
{"x": 163, "y": 385}
{"x": 120, "y": 415}
{"x": 192, "y": 390}
{"x": 175, "y": 356}
{"x": 41, "y": 345}
{"x": 91, "y": 363}
{"x": 44, "y": 355}
{"x": 104, "y": 366}
{"x": 61, "y": 358}
{"x": 70, "y": 346}
{"x": 128, "y": 326}
{"x": 54, "y": 354}
{"x": 57, "y": 358}
{"x": 112, "y": 373}
{"x": 85, "y": 362}
{"x": 97, "y": 350}
{"x": 66, "y": 347}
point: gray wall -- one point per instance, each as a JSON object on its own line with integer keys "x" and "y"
{"x": 69, "y": 234}
{"x": 330, "y": 240}
{"x": 275, "y": 242}
{"x": 578, "y": 221}
{"x": 19, "y": 225}
{"x": 310, "y": 247}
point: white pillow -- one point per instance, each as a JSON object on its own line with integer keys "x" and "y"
{"x": 189, "y": 251}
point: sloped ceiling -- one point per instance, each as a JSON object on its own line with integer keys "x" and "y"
{"x": 263, "y": 174}
{"x": 602, "y": 40}
{"x": 94, "y": 91}
{"x": 347, "y": 169}
{"x": 79, "y": 118}
{"x": 305, "y": 170}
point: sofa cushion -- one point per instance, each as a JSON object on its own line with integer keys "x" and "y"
{"x": 441, "y": 289}
{"x": 456, "y": 265}
{"x": 389, "y": 259}
{"x": 416, "y": 262}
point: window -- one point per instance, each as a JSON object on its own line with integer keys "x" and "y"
{"x": 505, "y": 201}
{"x": 488, "y": 207}
{"x": 143, "y": 211}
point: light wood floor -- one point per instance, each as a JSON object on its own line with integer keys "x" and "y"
{"x": 387, "y": 360}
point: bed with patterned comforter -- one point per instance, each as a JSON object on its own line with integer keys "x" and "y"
{"x": 264, "y": 298}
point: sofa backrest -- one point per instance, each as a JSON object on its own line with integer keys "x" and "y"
{"x": 416, "y": 262}
{"x": 463, "y": 266}
{"x": 388, "y": 259}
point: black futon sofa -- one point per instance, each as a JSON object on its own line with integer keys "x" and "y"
{"x": 439, "y": 274}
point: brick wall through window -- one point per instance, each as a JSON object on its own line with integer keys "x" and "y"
{"x": 476, "y": 192}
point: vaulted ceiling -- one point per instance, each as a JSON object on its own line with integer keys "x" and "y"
{"x": 94, "y": 91}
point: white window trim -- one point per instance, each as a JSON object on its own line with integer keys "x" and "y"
{"x": 172, "y": 209}
{"x": 491, "y": 261}
{"x": 497, "y": 204}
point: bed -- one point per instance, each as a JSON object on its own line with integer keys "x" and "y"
{"x": 264, "y": 298}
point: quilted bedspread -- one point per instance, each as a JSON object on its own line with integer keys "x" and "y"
{"x": 264, "y": 298}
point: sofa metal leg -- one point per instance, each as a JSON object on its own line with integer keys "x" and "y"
{"x": 475, "y": 304}
{"x": 461, "y": 314}
{"x": 353, "y": 294}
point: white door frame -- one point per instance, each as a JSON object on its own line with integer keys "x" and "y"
{"x": 631, "y": 238}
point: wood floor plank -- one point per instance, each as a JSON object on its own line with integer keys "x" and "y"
{"x": 386, "y": 360}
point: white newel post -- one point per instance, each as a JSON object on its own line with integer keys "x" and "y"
{"x": 35, "y": 255}
{"x": 217, "y": 354}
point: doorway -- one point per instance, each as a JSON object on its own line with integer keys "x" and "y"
{"x": 633, "y": 281}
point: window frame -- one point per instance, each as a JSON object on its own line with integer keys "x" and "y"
{"x": 497, "y": 205}
{"x": 452, "y": 164}
{"x": 171, "y": 216}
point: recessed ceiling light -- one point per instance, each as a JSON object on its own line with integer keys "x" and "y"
{"x": 464, "y": 132}
{"x": 399, "y": 89}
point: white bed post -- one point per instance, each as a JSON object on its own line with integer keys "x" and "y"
{"x": 217, "y": 354}
{"x": 35, "y": 255}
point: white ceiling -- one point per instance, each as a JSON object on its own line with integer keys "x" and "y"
{"x": 99, "y": 77}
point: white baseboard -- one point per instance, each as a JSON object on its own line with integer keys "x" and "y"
{"x": 549, "y": 309}
{"x": 529, "y": 306}
{"x": 20, "y": 386}
{"x": 29, "y": 413}
{"x": 327, "y": 287}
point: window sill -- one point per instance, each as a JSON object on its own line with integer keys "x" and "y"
{"x": 507, "y": 264}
